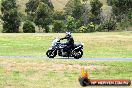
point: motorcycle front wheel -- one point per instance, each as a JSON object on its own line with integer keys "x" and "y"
{"x": 51, "y": 53}
{"x": 78, "y": 54}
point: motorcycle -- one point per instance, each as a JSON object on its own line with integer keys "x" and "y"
{"x": 58, "y": 48}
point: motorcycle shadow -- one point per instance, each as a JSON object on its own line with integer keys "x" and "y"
{"x": 63, "y": 58}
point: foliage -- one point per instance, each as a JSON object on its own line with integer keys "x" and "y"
{"x": 43, "y": 16}
{"x": 75, "y": 17}
{"x": 58, "y": 26}
{"x": 129, "y": 16}
{"x": 91, "y": 27}
{"x": 78, "y": 24}
{"x": 74, "y": 8}
{"x": 101, "y": 28}
{"x": 10, "y": 16}
{"x": 77, "y": 10}
{"x": 59, "y": 15}
{"x": 96, "y": 7}
{"x": 95, "y": 11}
{"x": 69, "y": 7}
{"x": 108, "y": 25}
{"x": 32, "y": 5}
{"x": 110, "y": 2}
{"x": 83, "y": 29}
{"x": 49, "y": 3}
{"x": 28, "y": 27}
{"x": 121, "y": 8}
{"x": 86, "y": 11}
{"x": 70, "y": 26}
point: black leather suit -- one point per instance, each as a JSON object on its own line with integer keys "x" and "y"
{"x": 69, "y": 43}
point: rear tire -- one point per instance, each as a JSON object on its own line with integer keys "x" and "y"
{"x": 51, "y": 53}
{"x": 78, "y": 54}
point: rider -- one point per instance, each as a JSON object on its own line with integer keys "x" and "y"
{"x": 69, "y": 43}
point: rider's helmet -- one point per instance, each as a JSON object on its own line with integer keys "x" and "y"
{"x": 68, "y": 34}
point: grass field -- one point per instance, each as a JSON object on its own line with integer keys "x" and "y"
{"x": 53, "y": 73}
{"x": 42, "y": 73}
{"x": 111, "y": 44}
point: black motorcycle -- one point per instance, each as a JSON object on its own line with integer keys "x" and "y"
{"x": 58, "y": 48}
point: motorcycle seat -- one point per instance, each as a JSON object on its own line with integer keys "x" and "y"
{"x": 76, "y": 45}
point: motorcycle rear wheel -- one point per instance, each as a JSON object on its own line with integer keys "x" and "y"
{"x": 78, "y": 54}
{"x": 51, "y": 53}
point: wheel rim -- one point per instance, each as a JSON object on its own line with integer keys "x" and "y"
{"x": 51, "y": 54}
{"x": 77, "y": 53}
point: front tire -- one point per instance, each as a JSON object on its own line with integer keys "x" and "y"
{"x": 51, "y": 53}
{"x": 78, "y": 54}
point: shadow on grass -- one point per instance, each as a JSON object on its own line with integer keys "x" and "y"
{"x": 63, "y": 58}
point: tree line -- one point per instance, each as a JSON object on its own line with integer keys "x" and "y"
{"x": 77, "y": 16}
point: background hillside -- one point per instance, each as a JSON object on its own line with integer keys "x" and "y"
{"x": 96, "y": 12}
{"x": 58, "y": 4}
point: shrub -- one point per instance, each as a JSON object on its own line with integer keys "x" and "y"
{"x": 108, "y": 25}
{"x": 71, "y": 24}
{"x": 59, "y": 15}
{"x": 83, "y": 29}
{"x": 91, "y": 27}
{"x": 28, "y": 27}
{"x": 100, "y": 28}
{"x": 58, "y": 26}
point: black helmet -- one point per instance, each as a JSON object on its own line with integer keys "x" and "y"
{"x": 68, "y": 34}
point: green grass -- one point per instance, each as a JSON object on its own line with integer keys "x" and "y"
{"x": 39, "y": 73}
{"x": 111, "y": 44}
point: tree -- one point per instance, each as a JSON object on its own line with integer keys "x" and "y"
{"x": 10, "y": 16}
{"x": 110, "y": 2}
{"x": 49, "y": 3}
{"x": 69, "y": 7}
{"x": 58, "y": 26}
{"x": 28, "y": 27}
{"x": 86, "y": 12}
{"x": 74, "y": 8}
{"x": 43, "y": 16}
{"x": 121, "y": 8}
{"x": 32, "y": 5}
{"x": 70, "y": 26}
{"x": 91, "y": 27}
{"x": 78, "y": 9}
{"x": 83, "y": 29}
{"x": 96, "y": 7}
{"x": 95, "y": 11}
{"x": 59, "y": 15}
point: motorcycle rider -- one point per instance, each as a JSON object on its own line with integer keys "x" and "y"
{"x": 69, "y": 43}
